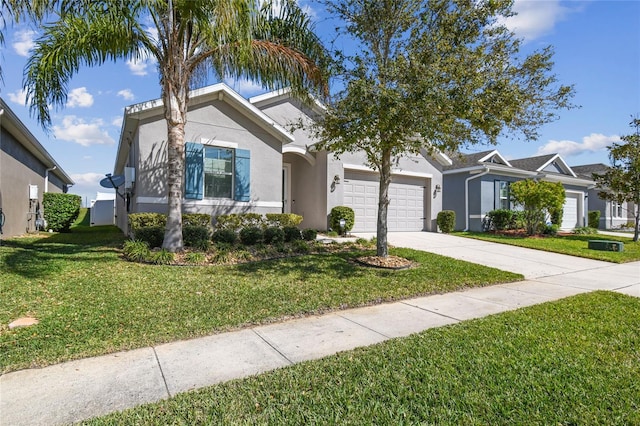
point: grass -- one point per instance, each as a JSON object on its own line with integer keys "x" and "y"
{"x": 574, "y": 245}
{"x": 89, "y": 301}
{"x": 569, "y": 362}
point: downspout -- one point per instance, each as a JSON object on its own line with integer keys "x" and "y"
{"x": 46, "y": 178}
{"x": 466, "y": 196}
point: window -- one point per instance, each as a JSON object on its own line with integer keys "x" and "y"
{"x": 218, "y": 172}
{"x": 616, "y": 209}
{"x": 502, "y": 195}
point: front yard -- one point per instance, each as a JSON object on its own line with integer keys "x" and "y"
{"x": 570, "y": 362}
{"x": 89, "y": 301}
{"x": 574, "y": 245}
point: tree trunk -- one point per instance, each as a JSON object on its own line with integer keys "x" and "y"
{"x": 175, "y": 96}
{"x": 383, "y": 205}
{"x": 636, "y": 231}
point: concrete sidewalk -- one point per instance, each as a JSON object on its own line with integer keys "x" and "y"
{"x": 78, "y": 390}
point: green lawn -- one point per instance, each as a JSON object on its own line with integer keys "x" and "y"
{"x": 574, "y": 245}
{"x": 89, "y": 301}
{"x": 571, "y": 362}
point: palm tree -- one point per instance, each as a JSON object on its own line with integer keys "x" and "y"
{"x": 16, "y": 10}
{"x": 271, "y": 42}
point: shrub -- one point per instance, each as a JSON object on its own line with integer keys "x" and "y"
{"x": 144, "y": 220}
{"x": 309, "y": 234}
{"x": 282, "y": 220}
{"x": 501, "y": 219}
{"x": 250, "y": 235}
{"x": 301, "y": 247}
{"x": 195, "y": 258}
{"x": 162, "y": 257}
{"x": 235, "y": 222}
{"x": 60, "y": 210}
{"x": 136, "y": 250}
{"x": 194, "y": 235}
{"x": 225, "y": 236}
{"x": 152, "y": 235}
{"x": 551, "y": 229}
{"x": 538, "y": 198}
{"x": 594, "y": 218}
{"x": 342, "y": 212}
{"x": 196, "y": 219}
{"x": 446, "y": 221}
{"x": 273, "y": 235}
{"x": 291, "y": 233}
{"x": 585, "y": 230}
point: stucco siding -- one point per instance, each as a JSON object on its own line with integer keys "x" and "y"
{"x": 19, "y": 169}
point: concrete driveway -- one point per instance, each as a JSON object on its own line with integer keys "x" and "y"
{"x": 535, "y": 265}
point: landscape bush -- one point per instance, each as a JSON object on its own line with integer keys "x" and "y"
{"x": 152, "y": 235}
{"x": 342, "y": 212}
{"x": 225, "y": 236}
{"x": 594, "y": 218}
{"x": 196, "y": 219}
{"x": 251, "y": 235}
{"x": 136, "y": 250}
{"x": 282, "y": 220}
{"x": 309, "y": 234}
{"x": 273, "y": 235}
{"x": 145, "y": 220}
{"x": 60, "y": 210}
{"x": 501, "y": 219}
{"x": 291, "y": 233}
{"x": 446, "y": 221}
{"x": 195, "y": 235}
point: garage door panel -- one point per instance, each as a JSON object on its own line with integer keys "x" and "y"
{"x": 406, "y": 209}
{"x": 570, "y": 212}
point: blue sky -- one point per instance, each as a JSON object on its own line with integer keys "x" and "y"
{"x": 597, "y": 49}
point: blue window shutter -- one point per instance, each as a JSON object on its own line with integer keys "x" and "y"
{"x": 242, "y": 175}
{"x": 194, "y": 171}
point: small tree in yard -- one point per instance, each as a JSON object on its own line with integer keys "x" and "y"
{"x": 433, "y": 74}
{"x": 622, "y": 180}
{"x": 538, "y": 199}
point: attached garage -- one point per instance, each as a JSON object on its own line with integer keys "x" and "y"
{"x": 407, "y": 208}
{"x": 571, "y": 211}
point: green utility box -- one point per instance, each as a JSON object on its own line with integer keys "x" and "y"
{"x": 606, "y": 245}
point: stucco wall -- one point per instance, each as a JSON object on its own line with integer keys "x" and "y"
{"x": 19, "y": 169}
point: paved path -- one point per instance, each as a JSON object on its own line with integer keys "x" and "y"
{"x": 78, "y": 390}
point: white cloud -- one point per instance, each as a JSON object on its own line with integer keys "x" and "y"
{"x": 84, "y": 133}
{"x": 126, "y": 94}
{"x": 84, "y": 180}
{"x": 592, "y": 143}
{"x": 19, "y": 97}
{"x": 245, "y": 87}
{"x": 139, "y": 66}
{"x": 79, "y": 98}
{"x": 535, "y": 18}
{"x": 24, "y": 41}
{"x": 117, "y": 121}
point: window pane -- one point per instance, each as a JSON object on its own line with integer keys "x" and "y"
{"x": 218, "y": 172}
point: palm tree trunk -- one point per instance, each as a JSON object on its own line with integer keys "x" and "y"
{"x": 175, "y": 104}
{"x": 383, "y": 205}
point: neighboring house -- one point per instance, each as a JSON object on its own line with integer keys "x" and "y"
{"x": 612, "y": 214}
{"x": 246, "y": 156}
{"x": 26, "y": 172}
{"x": 477, "y": 183}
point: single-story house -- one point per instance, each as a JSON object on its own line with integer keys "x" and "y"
{"x": 245, "y": 155}
{"x": 612, "y": 214}
{"x": 478, "y": 183}
{"x": 27, "y": 170}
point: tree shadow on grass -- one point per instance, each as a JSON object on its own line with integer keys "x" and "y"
{"x": 40, "y": 255}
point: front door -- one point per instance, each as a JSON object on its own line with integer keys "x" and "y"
{"x": 286, "y": 188}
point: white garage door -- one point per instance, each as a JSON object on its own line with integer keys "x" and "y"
{"x": 406, "y": 208}
{"x": 570, "y": 212}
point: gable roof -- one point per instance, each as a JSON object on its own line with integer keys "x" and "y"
{"x": 539, "y": 163}
{"x": 12, "y": 124}
{"x": 220, "y": 92}
{"x": 586, "y": 170}
{"x": 476, "y": 159}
